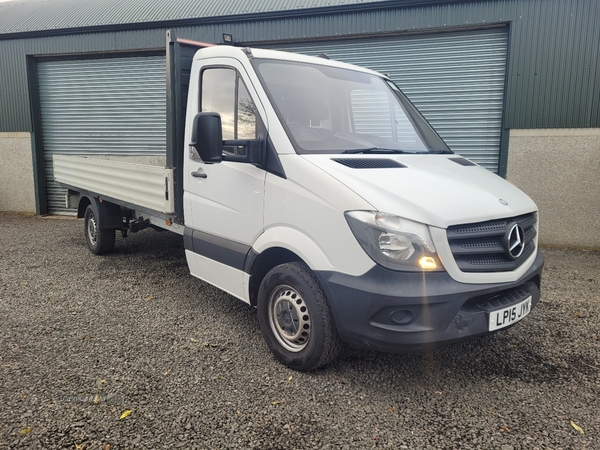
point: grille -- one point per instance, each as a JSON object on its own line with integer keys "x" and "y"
{"x": 480, "y": 227}
{"x": 482, "y": 247}
{"x": 369, "y": 163}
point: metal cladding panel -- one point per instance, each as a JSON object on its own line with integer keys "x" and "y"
{"x": 15, "y": 114}
{"x": 456, "y": 80}
{"x": 105, "y": 106}
{"x": 14, "y": 96}
{"x": 554, "y": 56}
{"x": 555, "y": 65}
{"x": 34, "y": 16}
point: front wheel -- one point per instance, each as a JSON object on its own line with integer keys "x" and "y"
{"x": 295, "y": 319}
{"x": 98, "y": 241}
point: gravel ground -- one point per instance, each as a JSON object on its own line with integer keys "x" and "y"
{"x": 85, "y": 339}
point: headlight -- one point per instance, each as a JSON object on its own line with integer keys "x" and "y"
{"x": 394, "y": 242}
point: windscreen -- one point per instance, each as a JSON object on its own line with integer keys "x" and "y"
{"x": 332, "y": 110}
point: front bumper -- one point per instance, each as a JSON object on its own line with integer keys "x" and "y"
{"x": 402, "y": 312}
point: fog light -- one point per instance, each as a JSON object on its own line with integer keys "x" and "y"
{"x": 428, "y": 263}
{"x": 402, "y": 316}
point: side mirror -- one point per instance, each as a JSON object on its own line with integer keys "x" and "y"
{"x": 207, "y": 137}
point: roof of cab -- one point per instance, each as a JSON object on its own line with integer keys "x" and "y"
{"x": 246, "y": 53}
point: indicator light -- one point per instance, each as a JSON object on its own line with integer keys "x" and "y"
{"x": 428, "y": 263}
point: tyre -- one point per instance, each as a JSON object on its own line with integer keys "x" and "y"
{"x": 99, "y": 241}
{"x": 295, "y": 319}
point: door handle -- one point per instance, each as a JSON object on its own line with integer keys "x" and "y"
{"x": 199, "y": 174}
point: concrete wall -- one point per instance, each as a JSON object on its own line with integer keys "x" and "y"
{"x": 16, "y": 173}
{"x": 560, "y": 170}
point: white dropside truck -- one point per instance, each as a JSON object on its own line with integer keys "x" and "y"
{"x": 315, "y": 191}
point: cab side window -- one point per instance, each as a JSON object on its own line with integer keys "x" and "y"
{"x": 224, "y": 92}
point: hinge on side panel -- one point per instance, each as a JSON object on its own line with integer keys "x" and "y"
{"x": 167, "y": 188}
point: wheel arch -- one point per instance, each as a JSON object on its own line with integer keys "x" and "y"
{"x": 84, "y": 201}
{"x": 280, "y": 245}
{"x": 108, "y": 215}
{"x": 261, "y": 263}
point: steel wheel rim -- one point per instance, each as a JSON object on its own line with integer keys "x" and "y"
{"x": 289, "y": 318}
{"x": 92, "y": 229}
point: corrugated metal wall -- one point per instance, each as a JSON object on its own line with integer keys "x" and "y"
{"x": 455, "y": 79}
{"x": 553, "y": 62}
{"x": 108, "y": 106}
{"x": 554, "y": 81}
{"x": 18, "y": 17}
{"x": 14, "y": 97}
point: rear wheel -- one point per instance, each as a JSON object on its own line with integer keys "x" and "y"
{"x": 99, "y": 241}
{"x": 295, "y": 318}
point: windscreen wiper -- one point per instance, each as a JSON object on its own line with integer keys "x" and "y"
{"x": 375, "y": 150}
{"x": 441, "y": 152}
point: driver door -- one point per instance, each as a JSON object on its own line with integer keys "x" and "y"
{"x": 224, "y": 202}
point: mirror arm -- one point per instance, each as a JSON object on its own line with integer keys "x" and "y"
{"x": 255, "y": 150}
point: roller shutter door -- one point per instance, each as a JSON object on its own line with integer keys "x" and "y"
{"x": 455, "y": 79}
{"x": 108, "y": 106}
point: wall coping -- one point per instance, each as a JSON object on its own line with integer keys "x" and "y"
{"x": 14, "y": 135}
{"x": 543, "y": 132}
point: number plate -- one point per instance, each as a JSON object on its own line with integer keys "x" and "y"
{"x": 507, "y": 316}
